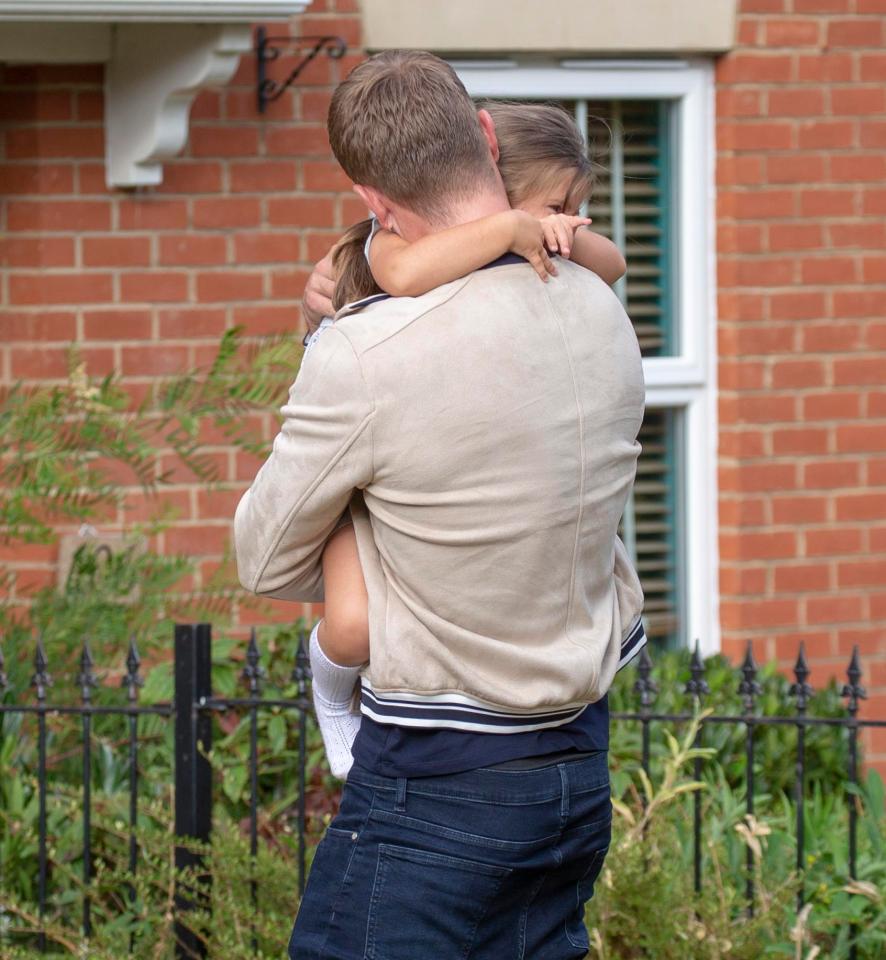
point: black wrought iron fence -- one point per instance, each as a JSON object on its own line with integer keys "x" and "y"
{"x": 194, "y": 704}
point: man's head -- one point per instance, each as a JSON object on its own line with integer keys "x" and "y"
{"x": 403, "y": 125}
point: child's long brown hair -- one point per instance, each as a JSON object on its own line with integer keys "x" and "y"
{"x": 537, "y": 143}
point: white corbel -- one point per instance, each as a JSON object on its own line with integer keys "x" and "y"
{"x": 155, "y": 71}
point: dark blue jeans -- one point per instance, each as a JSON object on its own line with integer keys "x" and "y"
{"x": 493, "y": 864}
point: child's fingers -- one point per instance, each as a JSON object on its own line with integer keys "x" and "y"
{"x": 551, "y": 238}
{"x": 543, "y": 265}
{"x": 565, "y": 239}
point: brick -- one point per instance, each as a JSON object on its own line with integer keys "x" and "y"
{"x": 735, "y": 581}
{"x": 36, "y": 178}
{"x": 755, "y": 67}
{"x": 795, "y": 236}
{"x": 742, "y": 443}
{"x": 90, "y": 105}
{"x": 38, "y": 363}
{"x": 80, "y": 141}
{"x": 829, "y": 270}
{"x": 743, "y": 511}
{"x": 218, "y": 503}
{"x": 876, "y": 336}
{"x": 797, "y": 306}
{"x": 289, "y": 284}
{"x": 768, "y": 272}
{"x": 227, "y": 287}
{"x": 755, "y": 135}
{"x": 223, "y": 140}
{"x": 857, "y": 100}
{"x": 873, "y": 134}
{"x": 117, "y": 324}
{"x": 831, "y": 406}
{"x": 832, "y": 542}
{"x": 227, "y": 212}
{"x": 802, "y": 578}
{"x": 758, "y": 339}
{"x": 324, "y": 175}
{"x": 865, "y": 573}
{"x": 878, "y": 534}
{"x": 787, "y": 374}
{"x": 864, "y": 167}
{"x": 38, "y": 288}
{"x": 861, "y": 438}
{"x": 158, "y": 360}
{"x": 871, "y": 6}
{"x": 762, "y": 477}
{"x": 857, "y": 234}
{"x": 171, "y": 505}
{"x": 37, "y": 105}
{"x": 268, "y": 318}
{"x": 872, "y": 67}
{"x": 826, "y": 134}
{"x": 194, "y": 250}
{"x": 45, "y": 326}
{"x": 795, "y": 168}
{"x": 740, "y": 375}
{"x": 19, "y": 251}
{"x": 829, "y": 337}
{"x": 152, "y": 214}
{"x": 239, "y": 104}
{"x": 116, "y": 251}
{"x": 799, "y": 442}
{"x": 191, "y": 177}
{"x": 792, "y": 33}
{"x": 825, "y": 67}
{"x": 862, "y": 506}
{"x": 831, "y": 474}
{"x": 206, "y": 106}
{"x": 300, "y": 211}
{"x": 153, "y": 287}
{"x": 267, "y": 247}
{"x": 192, "y": 540}
{"x": 855, "y": 33}
{"x": 756, "y": 204}
{"x": 859, "y": 371}
{"x": 758, "y": 614}
{"x": 834, "y": 609}
{"x": 59, "y": 215}
{"x": 799, "y": 510}
{"x": 54, "y": 73}
{"x": 799, "y": 102}
{"x": 318, "y": 244}
{"x": 262, "y": 176}
{"x": 876, "y": 405}
{"x": 874, "y": 271}
{"x": 765, "y": 409}
{"x": 191, "y": 322}
{"x": 828, "y": 203}
{"x": 297, "y": 140}
{"x": 858, "y": 303}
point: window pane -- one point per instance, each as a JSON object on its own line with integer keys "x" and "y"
{"x": 653, "y": 523}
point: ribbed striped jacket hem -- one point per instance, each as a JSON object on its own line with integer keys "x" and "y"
{"x": 458, "y": 711}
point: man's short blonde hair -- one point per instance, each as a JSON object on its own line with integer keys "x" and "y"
{"x": 403, "y": 123}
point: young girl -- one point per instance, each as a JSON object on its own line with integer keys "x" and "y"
{"x": 547, "y": 175}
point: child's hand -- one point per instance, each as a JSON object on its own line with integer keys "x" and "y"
{"x": 559, "y": 230}
{"x": 528, "y": 240}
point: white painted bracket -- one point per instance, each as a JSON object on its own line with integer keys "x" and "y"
{"x": 155, "y": 71}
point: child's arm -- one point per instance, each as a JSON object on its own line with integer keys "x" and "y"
{"x": 590, "y": 250}
{"x": 410, "y": 269}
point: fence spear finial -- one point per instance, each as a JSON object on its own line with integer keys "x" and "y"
{"x": 133, "y": 679}
{"x": 41, "y": 680}
{"x": 644, "y": 685}
{"x": 253, "y": 671}
{"x": 697, "y": 686}
{"x": 800, "y": 688}
{"x": 86, "y": 679}
{"x": 853, "y": 690}
{"x": 749, "y": 688}
{"x": 301, "y": 672}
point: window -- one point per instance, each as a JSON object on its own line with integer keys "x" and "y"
{"x": 649, "y": 125}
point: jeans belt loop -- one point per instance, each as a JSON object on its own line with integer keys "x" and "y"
{"x": 564, "y": 790}
{"x": 400, "y": 802}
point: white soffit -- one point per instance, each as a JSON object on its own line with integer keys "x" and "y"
{"x": 607, "y": 27}
{"x": 159, "y": 55}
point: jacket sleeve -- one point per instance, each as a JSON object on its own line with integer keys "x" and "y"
{"x": 322, "y": 453}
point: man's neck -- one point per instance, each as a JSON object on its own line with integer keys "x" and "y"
{"x": 412, "y": 226}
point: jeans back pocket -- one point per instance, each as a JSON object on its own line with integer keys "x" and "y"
{"x": 428, "y": 904}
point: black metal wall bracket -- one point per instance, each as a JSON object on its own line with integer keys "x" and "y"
{"x": 268, "y": 49}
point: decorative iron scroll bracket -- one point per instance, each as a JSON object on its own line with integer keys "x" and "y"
{"x": 268, "y": 49}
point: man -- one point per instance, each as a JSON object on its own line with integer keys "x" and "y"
{"x": 490, "y": 426}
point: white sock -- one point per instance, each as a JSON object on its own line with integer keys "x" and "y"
{"x": 333, "y": 689}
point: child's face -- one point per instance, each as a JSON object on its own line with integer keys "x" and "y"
{"x": 553, "y": 199}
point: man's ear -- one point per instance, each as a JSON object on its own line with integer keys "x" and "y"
{"x": 487, "y": 125}
{"x": 377, "y": 202}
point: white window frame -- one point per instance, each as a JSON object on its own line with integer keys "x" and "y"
{"x": 686, "y": 381}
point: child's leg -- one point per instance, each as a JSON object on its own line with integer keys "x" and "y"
{"x": 339, "y": 645}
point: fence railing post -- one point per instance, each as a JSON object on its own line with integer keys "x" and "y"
{"x": 193, "y": 774}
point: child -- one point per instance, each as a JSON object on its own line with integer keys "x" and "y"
{"x": 547, "y": 175}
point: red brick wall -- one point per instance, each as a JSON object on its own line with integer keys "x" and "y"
{"x": 146, "y": 282}
{"x": 801, "y": 211}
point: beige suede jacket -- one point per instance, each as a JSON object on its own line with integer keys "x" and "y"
{"x": 484, "y": 436}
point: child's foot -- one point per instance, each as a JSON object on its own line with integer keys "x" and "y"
{"x": 333, "y": 688}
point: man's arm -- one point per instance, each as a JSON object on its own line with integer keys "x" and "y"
{"x": 321, "y": 455}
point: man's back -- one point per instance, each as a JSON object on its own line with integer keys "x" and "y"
{"x": 503, "y": 435}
